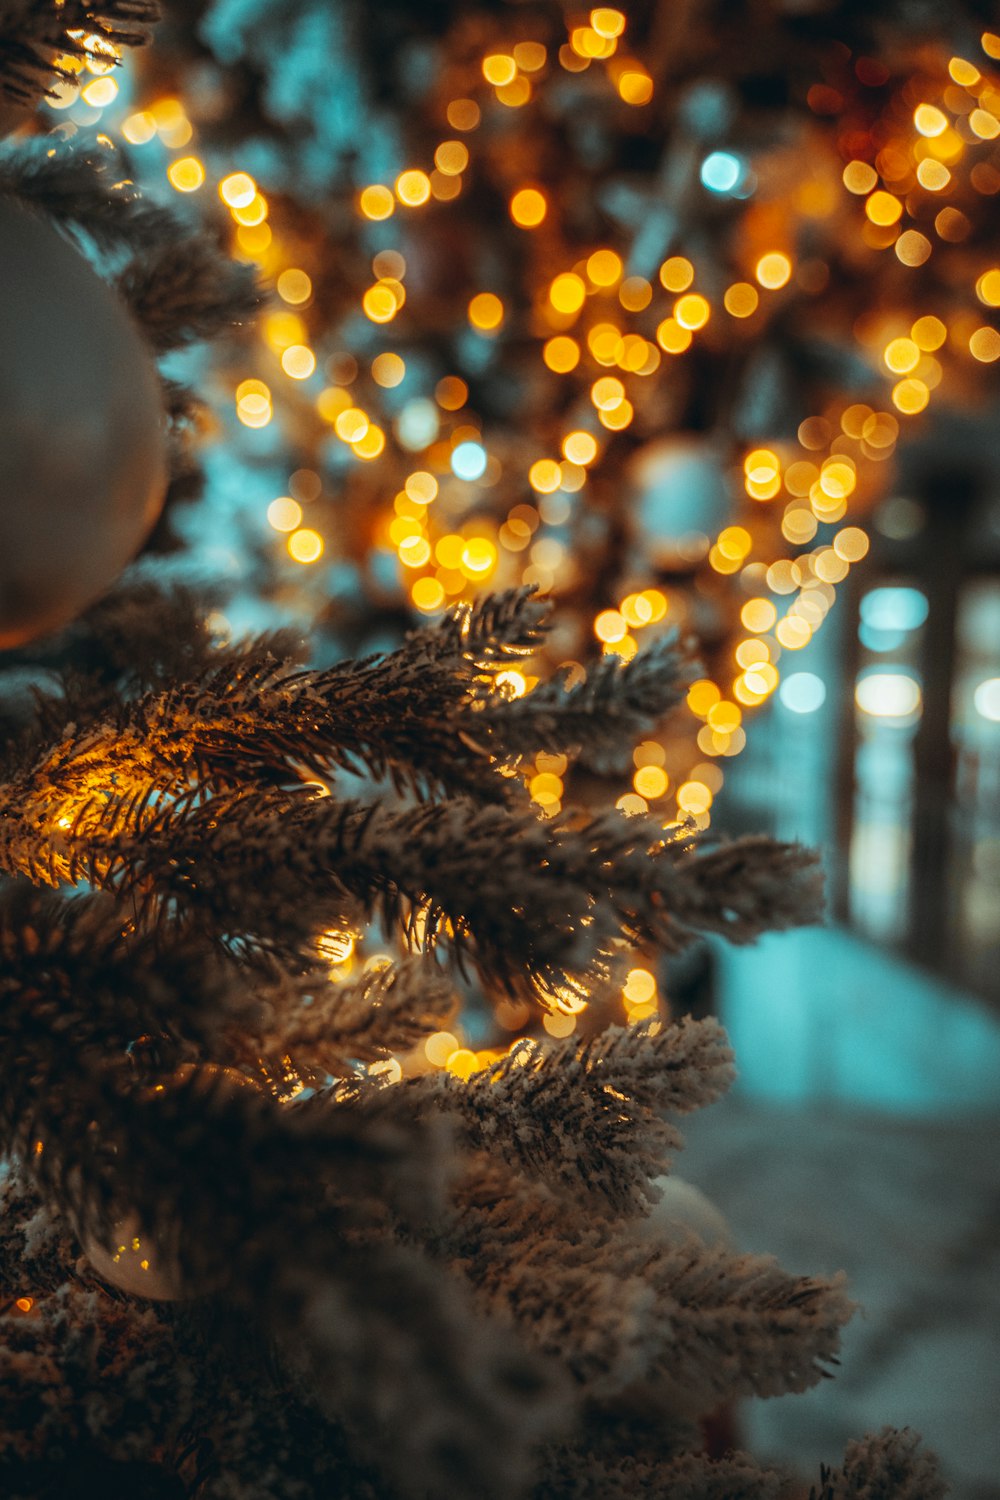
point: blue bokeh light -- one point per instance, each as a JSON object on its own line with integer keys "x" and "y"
{"x": 895, "y": 608}
{"x": 468, "y": 461}
{"x": 803, "y": 692}
{"x": 721, "y": 172}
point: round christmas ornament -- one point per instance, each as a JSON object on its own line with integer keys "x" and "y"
{"x": 135, "y": 1263}
{"x": 82, "y": 450}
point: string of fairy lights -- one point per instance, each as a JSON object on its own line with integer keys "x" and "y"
{"x": 461, "y": 505}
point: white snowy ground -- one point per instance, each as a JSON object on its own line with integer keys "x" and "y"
{"x": 895, "y": 1183}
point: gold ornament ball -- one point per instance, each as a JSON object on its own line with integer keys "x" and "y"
{"x": 134, "y": 1263}
{"x": 82, "y": 450}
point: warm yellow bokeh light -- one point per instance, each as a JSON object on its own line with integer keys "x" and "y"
{"x": 982, "y": 122}
{"x": 413, "y": 188}
{"x": 254, "y": 239}
{"x": 515, "y": 93}
{"x": 451, "y": 393}
{"x": 649, "y": 753}
{"x": 988, "y": 287}
{"x": 567, "y": 292}
{"x": 172, "y": 124}
{"x": 530, "y": 56}
{"x": 761, "y": 465}
{"x": 851, "y": 544}
{"x": 910, "y": 396}
{"x": 370, "y": 444}
{"x": 100, "y": 93}
{"x": 913, "y": 248}
{"x": 984, "y": 345}
{"x": 139, "y": 128}
{"x": 254, "y": 213}
{"x": 859, "y": 177}
{"x": 607, "y": 22}
{"x": 793, "y": 633}
{"x": 605, "y": 343}
{"x": 254, "y": 409}
{"x": 486, "y": 312}
{"x": 724, "y": 717}
{"x": 773, "y": 270}
{"x": 331, "y": 402}
{"x": 694, "y": 797}
{"x": 351, "y": 425}
{"x": 414, "y": 551}
{"x": 579, "y": 447}
{"x": 702, "y": 696}
{"x": 635, "y": 293}
{"x": 479, "y": 555}
{"x": 252, "y": 387}
{"x": 758, "y": 615}
{"x": 499, "y": 68}
{"x": 751, "y": 653}
{"x": 676, "y": 273}
{"x": 607, "y": 393}
{"x": 604, "y": 268}
{"x": 651, "y": 782}
{"x": 635, "y": 87}
{"x": 933, "y": 175}
{"x": 574, "y": 477}
{"x": 561, "y": 354}
{"x": 305, "y": 546}
{"x": 428, "y": 594}
{"x": 443, "y": 187}
{"x": 639, "y": 986}
{"x": 284, "y": 513}
{"x": 377, "y": 202}
{"x": 294, "y": 286}
{"x": 838, "y": 479}
{"x": 421, "y": 487}
{"x": 282, "y": 329}
{"x": 928, "y": 332}
{"x": 692, "y": 311}
{"x": 672, "y": 337}
{"x": 610, "y": 626}
{"x": 298, "y": 361}
{"x": 439, "y": 1046}
{"x": 186, "y": 174}
{"x": 238, "y": 190}
{"x": 741, "y": 299}
{"x": 545, "y": 476}
{"x": 929, "y": 120}
{"x": 883, "y": 209}
{"x": 617, "y": 418}
{"x": 901, "y": 356}
{"x": 528, "y": 207}
{"x": 380, "y": 303}
{"x": 463, "y": 114}
{"x": 637, "y": 611}
{"x": 963, "y": 72}
{"x": 734, "y": 542}
{"x": 451, "y": 158}
{"x": 388, "y": 370}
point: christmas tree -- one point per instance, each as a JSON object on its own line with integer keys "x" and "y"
{"x": 251, "y": 1246}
